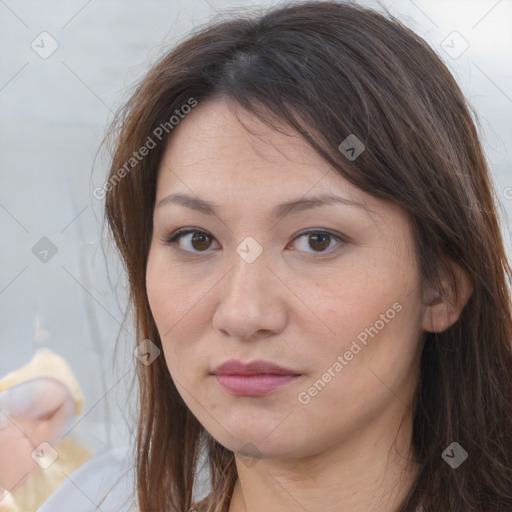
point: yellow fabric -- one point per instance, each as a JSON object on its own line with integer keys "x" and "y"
{"x": 7, "y": 503}
{"x": 41, "y": 483}
{"x": 46, "y": 363}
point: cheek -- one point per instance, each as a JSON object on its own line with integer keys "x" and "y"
{"x": 369, "y": 361}
{"x": 164, "y": 294}
{"x": 374, "y": 314}
{"x": 171, "y": 293}
{"x": 177, "y": 301}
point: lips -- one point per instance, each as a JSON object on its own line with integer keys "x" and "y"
{"x": 234, "y": 367}
{"x": 254, "y": 379}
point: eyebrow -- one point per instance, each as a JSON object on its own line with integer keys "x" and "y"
{"x": 278, "y": 212}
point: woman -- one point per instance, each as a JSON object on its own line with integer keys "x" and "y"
{"x": 309, "y": 229}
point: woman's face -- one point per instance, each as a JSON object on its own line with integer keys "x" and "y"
{"x": 328, "y": 292}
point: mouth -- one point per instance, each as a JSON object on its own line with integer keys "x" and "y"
{"x": 257, "y": 378}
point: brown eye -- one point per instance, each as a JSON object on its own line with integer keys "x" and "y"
{"x": 200, "y": 241}
{"x": 190, "y": 240}
{"x": 197, "y": 241}
{"x": 318, "y": 242}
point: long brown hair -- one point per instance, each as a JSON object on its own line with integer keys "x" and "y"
{"x": 330, "y": 70}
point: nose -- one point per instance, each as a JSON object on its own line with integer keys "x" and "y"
{"x": 252, "y": 301}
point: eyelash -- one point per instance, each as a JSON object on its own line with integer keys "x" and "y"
{"x": 177, "y": 235}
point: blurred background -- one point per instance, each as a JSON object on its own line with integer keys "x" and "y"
{"x": 65, "y": 68}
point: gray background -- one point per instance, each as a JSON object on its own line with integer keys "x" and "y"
{"x": 54, "y": 112}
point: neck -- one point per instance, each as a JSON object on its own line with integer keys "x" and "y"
{"x": 370, "y": 473}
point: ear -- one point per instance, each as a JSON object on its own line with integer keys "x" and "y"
{"x": 444, "y": 303}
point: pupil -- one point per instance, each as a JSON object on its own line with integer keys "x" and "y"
{"x": 320, "y": 236}
{"x": 199, "y": 237}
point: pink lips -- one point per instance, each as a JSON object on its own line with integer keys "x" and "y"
{"x": 257, "y": 378}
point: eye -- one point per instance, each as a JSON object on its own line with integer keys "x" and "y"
{"x": 319, "y": 241}
{"x": 200, "y": 241}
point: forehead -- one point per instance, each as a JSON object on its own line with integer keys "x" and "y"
{"x": 225, "y": 155}
{"x": 227, "y": 147}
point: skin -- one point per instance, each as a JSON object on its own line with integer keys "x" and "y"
{"x": 32, "y": 412}
{"x": 299, "y": 304}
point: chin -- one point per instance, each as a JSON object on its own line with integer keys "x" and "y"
{"x": 263, "y": 441}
